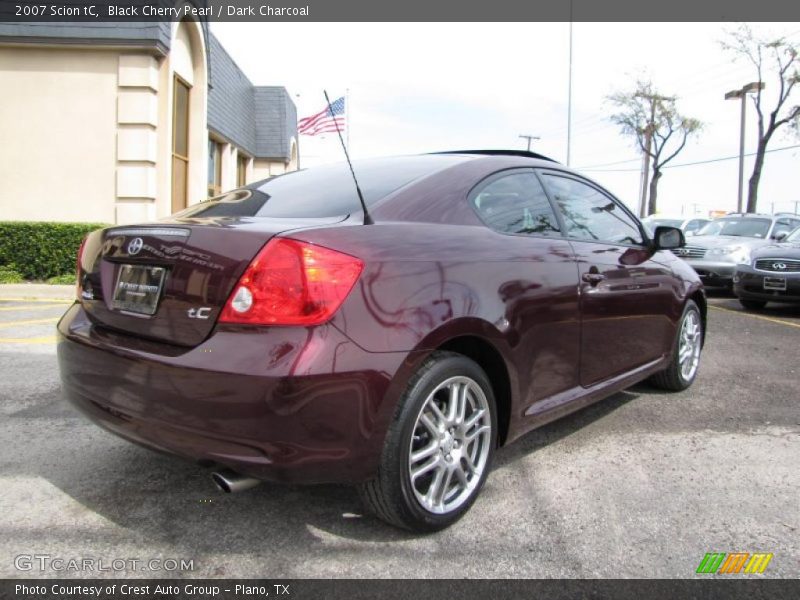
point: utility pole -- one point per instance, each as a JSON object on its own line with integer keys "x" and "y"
{"x": 653, "y": 99}
{"x": 569, "y": 91}
{"x": 648, "y": 140}
{"x": 735, "y": 94}
{"x": 529, "y": 138}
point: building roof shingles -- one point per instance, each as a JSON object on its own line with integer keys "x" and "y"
{"x": 260, "y": 119}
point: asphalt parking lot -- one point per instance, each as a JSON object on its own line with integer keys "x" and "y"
{"x": 640, "y": 485}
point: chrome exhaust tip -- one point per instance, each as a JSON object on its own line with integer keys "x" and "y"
{"x": 231, "y": 482}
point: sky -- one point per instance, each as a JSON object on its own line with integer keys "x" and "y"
{"x": 421, "y": 87}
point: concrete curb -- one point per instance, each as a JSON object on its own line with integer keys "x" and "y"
{"x": 36, "y": 292}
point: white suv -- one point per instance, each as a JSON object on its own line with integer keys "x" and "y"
{"x": 726, "y": 242}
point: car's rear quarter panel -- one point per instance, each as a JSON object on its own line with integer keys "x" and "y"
{"x": 426, "y": 284}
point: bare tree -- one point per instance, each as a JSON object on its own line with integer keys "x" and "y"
{"x": 659, "y": 130}
{"x": 777, "y": 59}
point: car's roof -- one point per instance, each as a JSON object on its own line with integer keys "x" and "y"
{"x": 751, "y": 216}
{"x": 501, "y": 152}
{"x": 328, "y": 189}
{"x": 429, "y": 163}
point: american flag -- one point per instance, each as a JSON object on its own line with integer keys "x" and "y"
{"x": 324, "y": 121}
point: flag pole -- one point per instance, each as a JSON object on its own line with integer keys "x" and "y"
{"x": 347, "y": 116}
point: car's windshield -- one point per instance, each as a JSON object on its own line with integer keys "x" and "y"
{"x": 652, "y": 223}
{"x": 756, "y": 228}
{"x": 794, "y": 236}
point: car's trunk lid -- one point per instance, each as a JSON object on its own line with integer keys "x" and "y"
{"x": 169, "y": 280}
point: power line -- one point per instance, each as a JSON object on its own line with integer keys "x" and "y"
{"x": 690, "y": 164}
{"x": 608, "y": 164}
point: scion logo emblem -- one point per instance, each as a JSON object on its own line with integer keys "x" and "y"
{"x": 135, "y": 246}
{"x": 778, "y": 266}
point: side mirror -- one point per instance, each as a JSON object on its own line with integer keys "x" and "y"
{"x": 780, "y": 236}
{"x": 668, "y": 238}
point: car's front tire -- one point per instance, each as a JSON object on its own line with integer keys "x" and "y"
{"x": 685, "y": 359}
{"x": 439, "y": 447}
{"x": 752, "y": 304}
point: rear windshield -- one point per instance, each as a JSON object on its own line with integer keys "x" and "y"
{"x": 325, "y": 191}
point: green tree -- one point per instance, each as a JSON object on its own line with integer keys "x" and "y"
{"x": 659, "y": 130}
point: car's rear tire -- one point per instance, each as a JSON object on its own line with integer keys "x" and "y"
{"x": 439, "y": 447}
{"x": 685, "y": 359}
{"x": 752, "y": 304}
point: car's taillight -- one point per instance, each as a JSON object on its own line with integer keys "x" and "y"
{"x": 292, "y": 283}
{"x": 78, "y": 286}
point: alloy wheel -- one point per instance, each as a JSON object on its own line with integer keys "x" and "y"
{"x": 450, "y": 445}
{"x": 689, "y": 345}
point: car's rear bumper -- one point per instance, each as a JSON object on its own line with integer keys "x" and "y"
{"x": 286, "y": 404}
{"x": 713, "y": 273}
{"x": 748, "y": 284}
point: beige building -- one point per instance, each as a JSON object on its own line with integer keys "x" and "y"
{"x": 125, "y": 122}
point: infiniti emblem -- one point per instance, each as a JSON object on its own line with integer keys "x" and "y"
{"x": 779, "y": 266}
{"x": 135, "y": 246}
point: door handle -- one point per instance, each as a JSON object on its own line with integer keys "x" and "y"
{"x": 593, "y": 278}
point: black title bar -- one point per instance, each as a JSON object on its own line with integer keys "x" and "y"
{"x": 708, "y": 587}
{"x": 28, "y": 11}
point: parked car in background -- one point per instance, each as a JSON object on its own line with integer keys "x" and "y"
{"x": 278, "y": 333}
{"x": 726, "y": 242}
{"x": 772, "y": 276}
{"x": 689, "y": 226}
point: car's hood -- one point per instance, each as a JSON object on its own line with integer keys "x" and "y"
{"x": 717, "y": 241}
{"x": 784, "y": 250}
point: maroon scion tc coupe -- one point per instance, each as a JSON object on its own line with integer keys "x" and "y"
{"x": 279, "y": 333}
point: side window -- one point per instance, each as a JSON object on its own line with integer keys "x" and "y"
{"x": 693, "y": 225}
{"x": 516, "y": 203}
{"x": 781, "y": 226}
{"x": 784, "y": 226}
{"x": 591, "y": 215}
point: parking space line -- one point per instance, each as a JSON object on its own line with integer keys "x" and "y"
{"x": 32, "y": 307}
{"x": 28, "y": 322}
{"x": 762, "y": 317}
{"x": 24, "y": 299}
{"x": 50, "y": 339}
